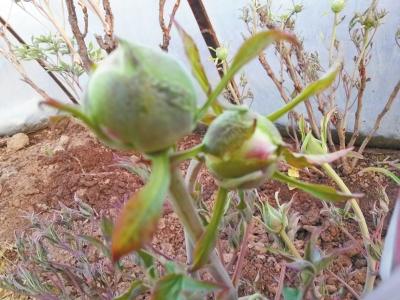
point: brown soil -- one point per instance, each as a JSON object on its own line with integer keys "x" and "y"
{"x": 65, "y": 162}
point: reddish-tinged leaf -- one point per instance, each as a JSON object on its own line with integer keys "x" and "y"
{"x": 138, "y": 220}
{"x": 301, "y": 160}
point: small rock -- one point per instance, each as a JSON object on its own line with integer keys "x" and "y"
{"x": 17, "y": 142}
{"x": 64, "y": 140}
{"x": 16, "y": 203}
{"x": 360, "y": 263}
{"x": 331, "y": 288}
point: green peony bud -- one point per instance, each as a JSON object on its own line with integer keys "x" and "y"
{"x": 275, "y": 219}
{"x": 221, "y": 53}
{"x": 337, "y": 6}
{"x": 297, "y": 8}
{"x": 141, "y": 99}
{"x": 239, "y": 143}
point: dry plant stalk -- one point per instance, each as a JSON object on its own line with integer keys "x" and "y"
{"x": 79, "y": 36}
{"x": 166, "y": 28}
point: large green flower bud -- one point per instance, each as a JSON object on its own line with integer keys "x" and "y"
{"x": 240, "y": 143}
{"x": 141, "y": 99}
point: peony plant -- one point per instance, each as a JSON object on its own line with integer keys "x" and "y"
{"x": 143, "y": 100}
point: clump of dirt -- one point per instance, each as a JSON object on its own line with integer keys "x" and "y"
{"x": 65, "y": 162}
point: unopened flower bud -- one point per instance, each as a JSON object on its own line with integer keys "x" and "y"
{"x": 275, "y": 219}
{"x": 337, "y": 6}
{"x": 221, "y": 53}
{"x": 141, "y": 98}
{"x": 239, "y": 143}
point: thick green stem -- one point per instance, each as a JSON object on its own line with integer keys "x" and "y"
{"x": 283, "y": 235}
{"x": 372, "y": 263}
{"x": 184, "y": 208}
{"x": 177, "y": 157}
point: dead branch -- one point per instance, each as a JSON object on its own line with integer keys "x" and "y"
{"x": 79, "y": 36}
{"x": 166, "y": 29}
{"x": 278, "y": 83}
{"x": 285, "y": 54}
{"x": 360, "y": 95}
{"x": 211, "y": 40}
{"x": 85, "y": 19}
{"x": 108, "y": 42}
{"x": 378, "y": 120}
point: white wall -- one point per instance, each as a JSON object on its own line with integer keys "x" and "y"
{"x": 138, "y": 21}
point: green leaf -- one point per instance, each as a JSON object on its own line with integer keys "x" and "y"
{"x": 193, "y": 54}
{"x": 300, "y": 160}
{"x": 171, "y": 286}
{"x": 322, "y": 192}
{"x": 138, "y": 220}
{"x": 384, "y": 171}
{"x": 311, "y": 145}
{"x": 292, "y": 294}
{"x": 248, "y": 51}
{"x": 148, "y": 262}
{"x": 313, "y": 88}
{"x": 136, "y": 289}
{"x": 206, "y": 243}
{"x": 107, "y": 227}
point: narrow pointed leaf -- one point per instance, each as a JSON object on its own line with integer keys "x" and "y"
{"x": 313, "y": 88}
{"x": 138, "y": 220}
{"x": 300, "y": 160}
{"x": 322, "y": 192}
{"x": 76, "y": 112}
{"x": 248, "y": 51}
{"x": 193, "y": 55}
{"x": 206, "y": 243}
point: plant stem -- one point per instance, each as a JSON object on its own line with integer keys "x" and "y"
{"x": 177, "y": 157}
{"x": 283, "y": 235}
{"x": 184, "y": 208}
{"x": 372, "y": 263}
{"x": 333, "y": 38}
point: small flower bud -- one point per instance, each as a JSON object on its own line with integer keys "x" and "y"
{"x": 221, "y": 53}
{"x": 239, "y": 143}
{"x": 297, "y": 8}
{"x": 275, "y": 219}
{"x": 337, "y": 6}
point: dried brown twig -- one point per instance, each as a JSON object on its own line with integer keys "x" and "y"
{"x": 166, "y": 29}
{"x": 108, "y": 43}
{"x": 388, "y": 105}
{"x": 79, "y": 36}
